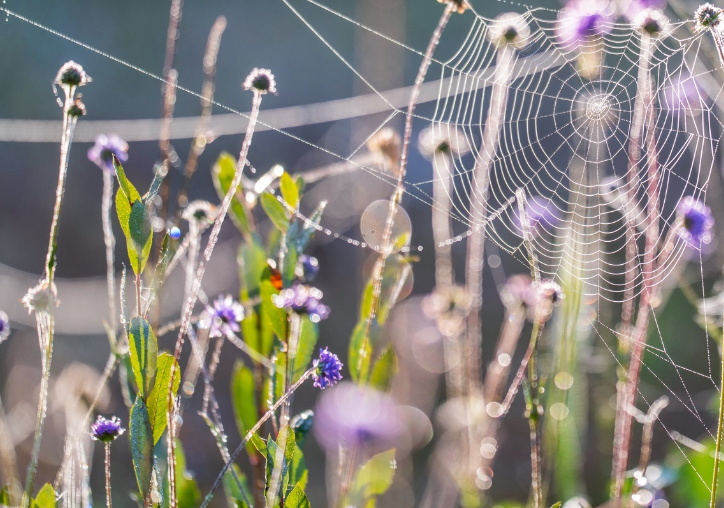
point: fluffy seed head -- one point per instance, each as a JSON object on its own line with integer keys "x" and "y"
{"x": 651, "y": 22}
{"x": 260, "y": 81}
{"x": 707, "y": 16}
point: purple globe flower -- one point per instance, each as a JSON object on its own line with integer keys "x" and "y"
{"x": 224, "y": 317}
{"x": 303, "y": 299}
{"x": 4, "y": 326}
{"x": 352, "y": 415}
{"x": 697, "y": 221}
{"x": 583, "y": 20}
{"x": 105, "y": 148}
{"x": 106, "y": 430}
{"x": 327, "y": 369}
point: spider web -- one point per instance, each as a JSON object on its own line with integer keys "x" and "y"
{"x": 564, "y": 140}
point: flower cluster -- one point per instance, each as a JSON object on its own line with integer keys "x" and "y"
{"x": 224, "y": 317}
{"x": 305, "y": 299}
{"x": 105, "y": 147}
{"x": 326, "y": 369}
{"x": 106, "y": 431}
{"x": 697, "y": 221}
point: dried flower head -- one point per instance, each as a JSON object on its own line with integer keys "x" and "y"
{"x": 551, "y": 291}
{"x": 697, "y": 221}
{"x": 41, "y": 298}
{"x": 442, "y": 138}
{"x": 386, "y": 142}
{"x": 305, "y": 299}
{"x": 651, "y": 22}
{"x": 509, "y": 28}
{"x": 71, "y": 74}
{"x": 326, "y": 369}
{"x": 459, "y": 5}
{"x": 77, "y": 109}
{"x": 105, "y": 147}
{"x": 4, "y": 326}
{"x": 224, "y": 317}
{"x": 106, "y": 431}
{"x": 707, "y": 16}
{"x": 199, "y": 212}
{"x": 260, "y": 81}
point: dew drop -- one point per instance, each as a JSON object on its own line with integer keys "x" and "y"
{"x": 374, "y": 221}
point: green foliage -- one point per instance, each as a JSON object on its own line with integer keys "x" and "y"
{"x": 223, "y": 175}
{"x": 373, "y": 479}
{"x": 275, "y": 211}
{"x": 158, "y": 397}
{"x": 141, "y": 436}
{"x": 271, "y": 315}
{"x": 252, "y": 263}
{"x": 45, "y": 498}
{"x": 384, "y": 369}
{"x": 689, "y": 489}
{"x": 289, "y": 189}
{"x": 234, "y": 495}
{"x": 144, "y": 354}
{"x": 308, "y": 335}
{"x": 244, "y": 401}
{"x": 297, "y": 499}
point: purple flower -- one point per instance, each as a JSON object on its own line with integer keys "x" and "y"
{"x": 542, "y": 215}
{"x": 683, "y": 94}
{"x": 349, "y": 415}
{"x": 106, "y": 430}
{"x": 327, "y": 369}
{"x": 105, "y": 148}
{"x": 4, "y": 326}
{"x": 697, "y": 221}
{"x": 303, "y": 299}
{"x": 583, "y": 20}
{"x": 308, "y": 267}
{"x": 224, "y": 317}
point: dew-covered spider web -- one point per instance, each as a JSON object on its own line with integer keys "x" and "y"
{"x": 565, "y": 140}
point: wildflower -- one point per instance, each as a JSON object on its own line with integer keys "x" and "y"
{"x": 71, "y": 74}
{"x": 4, "y": 326}
{"x": 105, "y": 147}
{"x": 224, "y": 317}
{"x": 583, "y": 20}
{"x": 683, "y": 94}
{"x": 303, "y": 299}
{"x": 260, "y": 81}
{"x": 651, "y": 22}
{"x": 308, "y": 268}
{"x": 106, "y": 430}
{"x": 327, "y": 369}
{"x": 707, "y": 16}
{"x": 697, "y": 221}
{"x": 509, "y": 28}
{"x": 174, "y": 233}
{"x": 352, "y": 415}
{"x": 41, "y": 297}
{"x": 459, "y": 5}
{"x": 442, "y": 139}
{"x": 542, "y": 214}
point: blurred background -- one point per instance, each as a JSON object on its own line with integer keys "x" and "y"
{"x": 259, "y": 33}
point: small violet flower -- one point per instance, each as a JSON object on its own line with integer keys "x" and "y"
{"x": 106, "y": 431}
{"x": 542, "y": 215}
{"x": 697, "y": 221}
{"x": 101, "y": 154}
{"x": 303, "y": 299}
{"x": 4, "y": 326}
{"x": 582, "y": 20}
{"x": 326, "y": 369}
{"x": 224, "y": 317}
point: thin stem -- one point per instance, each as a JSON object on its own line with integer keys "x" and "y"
{"x": 108, "y": 475}
{"x": 8, "y": 461}
{"x": 110, "y": 242}
{"x": 719, "y": 436}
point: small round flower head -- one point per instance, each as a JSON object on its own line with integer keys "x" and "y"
{"x": 4, "y": 326}
{"x": 697, "y": 221}
{"x": 509, "y": 28}
{"x": 459, "y": 5}
{"x": 583, "y": 20}
{"x": 106, "y": 431}
{"x": 307, "y": 268}
{"x": 303, "y": 299}
{"x": 442, "y": 138}
{"x": 174, "y": 233}
{"x": 326, "y": 369}
{"x": 224, "y": 317}
{"x": 651, "y": 22}
{"x": 71, "y": 74}
{"x": 707, "y": 16}
{"x": 77, "y": 109}
{"x": 260, "y": 81}
{"x": 199, "y": 212}
{"x": 41, "y": 298}
{"x": 386, "y": 142}
{"x": 551, "y": 291}
{"x": 105, "y": 147}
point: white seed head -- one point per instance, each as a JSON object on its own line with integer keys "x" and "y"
{"x": 509, "y": 28}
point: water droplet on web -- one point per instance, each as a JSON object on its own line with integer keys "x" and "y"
{"x": 393, "y": 464}
{"x": 374, "y": 222}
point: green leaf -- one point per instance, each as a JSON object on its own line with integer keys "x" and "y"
{"x": 290, "y": 264}
{"x": 361, "y": 342}
{"x": 275, "y": 211}
{"x": 155, "y": 185}
{"x": 289, "y": 189}
{"x": 158, "y": 400}
{"x": 286, "y": 437}
{"x": 557, "y": 505}
{"x": 384, "y": 369}
{"x": 144, "y": 354}
{"x": 139, "y": 225}
{"x": 308, "y": 335}
{"x": 250, "y": 330}
{"x": 298, "y": 474}
{"x": 223, "y": 176}
{"x": 374, "y": 478}
{"x": 231, "y": 487}
{"x": 297, "y": 499}
{"x": 252, "y": 263}
{"x": 301, "y": 185}
{"x": 271, "y": 315}
{"x": 6, "y": 499}
{"x": 310, "y": 228}
{"x": 45, "y": 498}
{"x": 397, "y": 270}
{"x": 126, "y": 187}
{"x": 259, "y": 444}
{"x": 188, "y": 494}
{"x": 141, "y": 436}
{"x": 244, "y": 401}
{"x": 366, "y": 306}
{"x": 302, "y": 424}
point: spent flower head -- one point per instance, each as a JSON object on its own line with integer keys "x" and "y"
{"x": 707, "y": 16}
{"x": 105, "y": 147}
{"x": 106, "y": 431}
{"x": 41, "y": 298}
{"x": 697, "y": 221}
{"x": 4, "y": 326}
{"x": 71, "y": 74}
{"x": 301, "y": 298}
{"x": 651, "y": 22}
{"x": 260, "y": 81}
{"x": 459, "y": 5}
{"x": 77, "y": 109}
{"x": 442, "y": 138}
{"x": 224, "y": 317}
{"x": 509, "y": 28}
{"x": 199, "y": 212}
{"x": 386, "y": 142}
{"x": 326, "y": 369}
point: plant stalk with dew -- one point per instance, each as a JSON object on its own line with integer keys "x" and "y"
{"x": 649, "y": 419}
{"x": 259, "y": 82}
{"x": 42, "y": 298}
{"x": 110, "y": 243}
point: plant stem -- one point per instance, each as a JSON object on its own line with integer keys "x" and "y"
{"x": 110, "y": 242}
{"x": 719, "y": 431}
{"x": 108, "y": 475}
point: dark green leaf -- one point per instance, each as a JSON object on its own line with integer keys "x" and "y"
{"x": 308, "y": 334}
{"x": 297, "y": 499}
{"x": 302, "y": 424}
{"x": 275, "y": 211}
{"x": 301, "y": 185}
{"x": 384, "y": 369}
{"x": 45, "y": 498}
{"x": 158, "y": 401}
{"x": 156, "y": 184}
{"x": 126, "y": 187}
{"x": 139, "y": 225}
{"x": 290, "y": 264}
{"x": 141, "y": 436}
{"x": 272, "y": 316}
{"x": 375, "y": 477}
{"x": 223, "y": 176}
{"x": 310, "y": 228}
{"x": 144, "y": 354}
{"x": 252, "y": 262}
{"x": 244, "y": 401}
{"x": 290, "y": 193}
